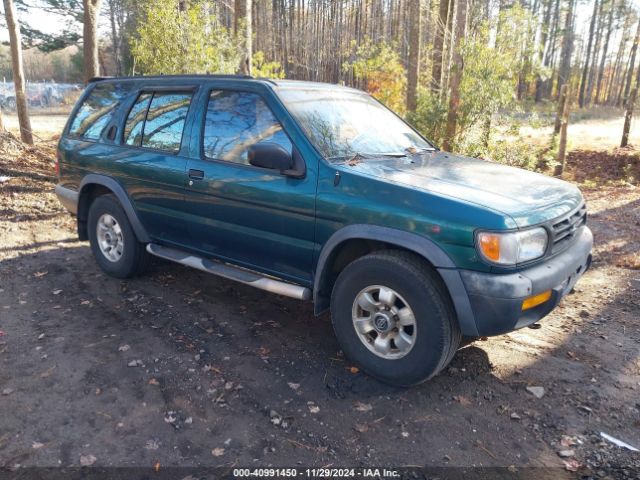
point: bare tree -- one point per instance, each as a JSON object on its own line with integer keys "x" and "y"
{"x": 18, "y": 71}
{"x": 632, "y": 61}
{"x": 438, "y": 44}
{"x": 456, "y": 73}
{"x": 628, "y": 116}
{"x": 567, "y": 47}
{"x": 243, "y": 18}
{"x": 563, "y": 114}
{"x": 585, "y": 69}
{"x": 605, "y": 50}
{"x": 90, "y": 39}
{"x": 415, "y": 40}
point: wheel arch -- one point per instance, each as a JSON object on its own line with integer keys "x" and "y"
{"x": 95, "y": 185}
{"x": 354, "y": 241}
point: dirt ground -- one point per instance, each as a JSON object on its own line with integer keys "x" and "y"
{"x": 186, "y": 369}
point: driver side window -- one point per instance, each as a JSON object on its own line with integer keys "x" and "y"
{"x": 235, "y": 121}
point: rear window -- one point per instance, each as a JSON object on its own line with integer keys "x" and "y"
{"x": 97, "y": 109}
{"x": 157, "y": 120}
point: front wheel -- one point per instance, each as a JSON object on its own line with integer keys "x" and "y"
{"x": 113, "y": 241}
{"x": 393, "y": 317}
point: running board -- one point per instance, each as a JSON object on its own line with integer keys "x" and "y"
{"x": 224, "y": 270}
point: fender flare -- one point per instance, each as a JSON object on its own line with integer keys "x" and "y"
{"x": 423, "y": 246}
{"x": 123, "y": 198}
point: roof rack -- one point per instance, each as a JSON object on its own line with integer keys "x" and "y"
{"x": 186, "y": 75}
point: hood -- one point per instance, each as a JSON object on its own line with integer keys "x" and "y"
{"x": 527, "y": 197}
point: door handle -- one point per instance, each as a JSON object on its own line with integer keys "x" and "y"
{"x": 196, "y": 174}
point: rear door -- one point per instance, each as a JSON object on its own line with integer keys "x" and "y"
{"x": 153, "y": 160}
{"x": 248, "y": 215}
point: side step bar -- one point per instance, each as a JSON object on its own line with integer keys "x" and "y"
{"x": 241, "y": 275}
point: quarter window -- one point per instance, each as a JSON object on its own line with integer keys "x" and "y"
{"x": 157, "y": 120}
{"x": 237, "y": 120}
{"x": 97, "y": 109}
{"x": 135, "y": 120}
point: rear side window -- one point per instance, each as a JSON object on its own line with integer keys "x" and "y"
{"x": 237, "y": 120}
{"x": 135, "y": 120}
{"x": 157, "y": 120}
{"x": 97, "y": 109}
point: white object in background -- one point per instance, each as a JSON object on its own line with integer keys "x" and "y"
{"x": 619, "y": 443}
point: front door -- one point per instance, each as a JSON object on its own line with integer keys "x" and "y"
{"x": 255, "y": 217}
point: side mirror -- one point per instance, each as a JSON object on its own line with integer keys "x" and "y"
{"x": 270, "y": 155}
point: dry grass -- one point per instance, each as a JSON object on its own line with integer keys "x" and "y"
{"x": 592, "y": 129}
{"x": 45, "y": 126}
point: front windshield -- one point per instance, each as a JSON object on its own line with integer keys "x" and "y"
{"x": 344, "y": 123}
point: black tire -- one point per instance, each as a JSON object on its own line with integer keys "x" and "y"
{"x": 437, "y": 335}
{"x": 134, "y": 259}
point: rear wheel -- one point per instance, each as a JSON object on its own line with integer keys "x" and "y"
{"x": 393, "y": 317}
{"x": 113, "y": 241}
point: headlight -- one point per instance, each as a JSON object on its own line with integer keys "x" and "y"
{"x": 510, "y": 248}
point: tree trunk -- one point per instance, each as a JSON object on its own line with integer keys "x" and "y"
{"x": 567, "y": 48}
{"x": 585, "y": 70}
{"x": 243, "y": 20}
{"x": 605, "y": 49}
{"x": 438, "y": 45}
{"x": 543, "y": 53}
{"x": 415, "y": 40}
{"x": 564, "y": 123}
{"x": 90, "y": 39}
{"x": 595, "y": 56}
{"x": 456, "y": 74}
{"x": 18, "y": 71}
{"x": 562, "y": 100}
{"x": 2, "y": 127}
{"x": 632, "y": 61}
{"x": 617, "y": 67}
{"x": 115, "y": 38}
{"x": 627, "y": 117}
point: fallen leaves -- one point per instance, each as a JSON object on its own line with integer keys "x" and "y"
{"x": 361, "y": 427}
{"x": 217, "y": 452}
{"x": 47, "y": 373}
{"x": 571, "y": 465}
{"x": 152, "y": 445}
{"x": 462, "y": 400}
{"x": 87, "y": 460}
{"x": 362, "y": 407}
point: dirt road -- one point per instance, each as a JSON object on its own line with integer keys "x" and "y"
{"x": 183, "y": 368}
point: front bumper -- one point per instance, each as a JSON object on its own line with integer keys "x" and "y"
{"x": 496, "y": 300}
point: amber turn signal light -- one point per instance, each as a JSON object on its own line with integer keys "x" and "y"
{"x": 535, "y": 300}
{"x": 490, "y": 246}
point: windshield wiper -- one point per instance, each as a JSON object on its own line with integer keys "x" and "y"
{"x": 359, "y": 156}
{"x": 416, "y": 150}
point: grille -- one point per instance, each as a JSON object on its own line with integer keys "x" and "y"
{"x": 564, "y": 230}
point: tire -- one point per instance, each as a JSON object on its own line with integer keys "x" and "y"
{"x": 434, "y": 335}
{"x": 122, "y": 256}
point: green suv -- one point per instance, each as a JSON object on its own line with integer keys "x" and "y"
{"x": 318, "y": 192}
